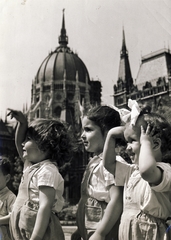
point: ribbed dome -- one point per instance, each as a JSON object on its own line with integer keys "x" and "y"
{"x": 60, "y": 61}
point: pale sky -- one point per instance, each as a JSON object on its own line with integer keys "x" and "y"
{"x": 29, "y": 30}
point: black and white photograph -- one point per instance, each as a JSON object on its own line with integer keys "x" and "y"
{"x": 85, "y": 120}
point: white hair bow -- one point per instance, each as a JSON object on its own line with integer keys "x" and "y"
{"x": 125, "y": 114}
{"x": 135, "y": 110}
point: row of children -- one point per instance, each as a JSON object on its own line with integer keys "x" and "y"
{"x": 118, "y": 200}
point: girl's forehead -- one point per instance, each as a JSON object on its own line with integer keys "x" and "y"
{"x": 87, "y": 121}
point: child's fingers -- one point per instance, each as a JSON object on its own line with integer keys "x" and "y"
{"x": 11, "y": 113}
{"x": 8, "y": 113}
{"x": 142, "y": 129}
{"x": 153, "y": 131}
{"x": 148, "y": 130}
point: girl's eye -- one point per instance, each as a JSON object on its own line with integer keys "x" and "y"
{"x": 87, "y": 129}
{"x": 28, "y": 138}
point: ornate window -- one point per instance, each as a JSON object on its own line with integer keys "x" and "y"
{"x": 161, "y": 84}
{"x": 120, "y": 100}
{"x": 120, "y": 85}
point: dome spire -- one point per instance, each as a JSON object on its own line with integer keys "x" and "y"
{"x": 63, "y": 38}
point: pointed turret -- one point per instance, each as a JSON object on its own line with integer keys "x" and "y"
{"x": 63, "y": 38}
{"x": 124, "y": 68}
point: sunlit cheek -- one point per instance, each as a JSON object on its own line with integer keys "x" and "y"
{"x": 33, "y": 150}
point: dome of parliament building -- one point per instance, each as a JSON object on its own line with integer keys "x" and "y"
{"x": 62, "y": 81}
{"x": 61, "y": 61}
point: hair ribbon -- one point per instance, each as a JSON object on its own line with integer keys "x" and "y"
{"x": 135, "y": 111}
{"x": 126, "y": 114}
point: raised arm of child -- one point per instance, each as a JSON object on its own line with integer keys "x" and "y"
{"x": 150, "y": 146}
{"x": 20, "y": 133}
{"x": 111, "y": 215}
{"x": 109, "y": 153}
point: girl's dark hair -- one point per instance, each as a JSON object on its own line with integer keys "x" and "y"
{"x": 52, "y": 136}
{"x": 105, "y": 117}
{"x": 5, "y": 166}
{"x": 161, "y": 128}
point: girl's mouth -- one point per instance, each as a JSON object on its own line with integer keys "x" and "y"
{"x": 85, "y": 143}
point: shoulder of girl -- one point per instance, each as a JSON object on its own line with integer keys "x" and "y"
{"x": 164, "y": 166}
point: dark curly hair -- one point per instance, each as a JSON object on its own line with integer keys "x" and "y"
{"x": 52, "y": 136}
{"x": 105, "y": 117}
{"x": 161, "y": 128}
{"x": 5, "y": 166}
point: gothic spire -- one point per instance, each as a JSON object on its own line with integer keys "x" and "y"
{"x": 123, "y": 50}
{"x": 63, "y": 38}
{"x": 124, "y": 67}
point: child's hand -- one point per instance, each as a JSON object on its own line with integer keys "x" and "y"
{"x": 18, "y": 115}
{"x": 146, "y": 136}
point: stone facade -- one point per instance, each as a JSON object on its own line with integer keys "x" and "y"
{"x": 152, "y": 84}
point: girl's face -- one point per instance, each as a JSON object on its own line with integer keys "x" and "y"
{"x": 133, "y": 145}
{"x": 3, "y": 179}
{"x": 31, "y": 152}
{"x": 92, "y": 137}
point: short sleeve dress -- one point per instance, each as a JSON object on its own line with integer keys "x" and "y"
{"x": 146, "y": 208}
{"x": 94, "y": 198}
{"x": 44, "y": 173}
{"x": 7, "y": 199}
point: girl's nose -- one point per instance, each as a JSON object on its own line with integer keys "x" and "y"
{"x": 23, "y": 143}
{"x": 83, "y": 135}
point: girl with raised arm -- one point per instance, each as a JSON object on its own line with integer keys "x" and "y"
{"x": 43, "y": 146}
{"x": 147, "y": 182}
{"x": 100, "y": 206}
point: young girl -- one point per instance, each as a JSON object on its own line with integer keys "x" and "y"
{"x": 46, "y": 145}
{"x": 147, "y": 182}
{"x": 7, "y": 198}
{"x": 100, "y": 205}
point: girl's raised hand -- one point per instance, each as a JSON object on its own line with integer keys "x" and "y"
{"x": 146, "y": 135}
{"x": 18, "y": 115}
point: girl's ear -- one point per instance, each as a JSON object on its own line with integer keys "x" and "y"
{"x": 156, "y": 143}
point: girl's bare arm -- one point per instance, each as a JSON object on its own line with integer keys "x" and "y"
{"x": 150, "y": 149}
{"x": 109, "y": 153}
{"x": 111, "y": 215}
{"x": 46, "y": 200}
